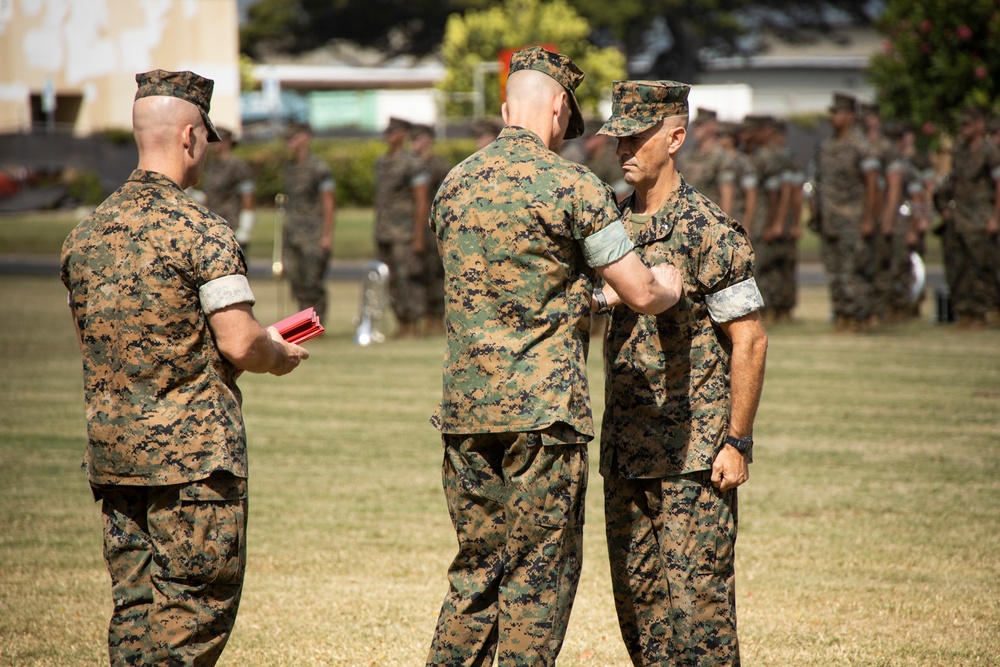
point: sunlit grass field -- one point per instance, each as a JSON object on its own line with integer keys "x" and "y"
{"x": 869, "y": 536}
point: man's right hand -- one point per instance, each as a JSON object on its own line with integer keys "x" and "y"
{"x": 670, "y": 278}
{"x": 291, "y": 354}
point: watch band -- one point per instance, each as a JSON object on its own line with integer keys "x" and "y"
{"x": 742, "y": 445}
{"x": 602, "y": 301}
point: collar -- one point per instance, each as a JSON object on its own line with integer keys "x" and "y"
{"x": 154, "y": 177}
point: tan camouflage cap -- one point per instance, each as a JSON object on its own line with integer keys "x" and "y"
{"x": 637, "y": 106}
{"x": 560, "y": 68}
{"x": 187, "y": 86}
{"x": 844, "y": 102}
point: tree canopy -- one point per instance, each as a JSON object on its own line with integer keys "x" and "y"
{"x": 939, "y": 56}
{"x": 479, "y": 35}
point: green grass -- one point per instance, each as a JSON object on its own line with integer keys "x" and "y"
{"x": 43, "y": 233}
{"x": 869, "y": 532}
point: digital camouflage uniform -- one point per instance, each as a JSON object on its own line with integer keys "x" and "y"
{"x": 847, "y": 256}
{"x": 781, "y": 295}
{"x": 895, "y": 264}
{"x": 974, "y": 273}
{"x": 224, "y": 183}
{"x": 305, "y": 262}
{"x": 519, "y": 229}
{"x": 432, "y": 271}
{"x": 741, "y": 172}
{"x": 395, "y": 177}
{"x": 704, "y": 170}
{"x": 166, "y": 449}
{"x": 885, "y": 248}
{"x": 771, "y": 256}
{"x": 671, "y": 534}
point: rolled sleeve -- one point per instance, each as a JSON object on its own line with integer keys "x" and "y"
{"x": 225, "y": 291}
{"x": 734, "y": 301}
{"x": 607, "y": 245}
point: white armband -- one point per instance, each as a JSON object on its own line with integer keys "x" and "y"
{"x": 225, "y": 291}
{"x": 734, "y": 301}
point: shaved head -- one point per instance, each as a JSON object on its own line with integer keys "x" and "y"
{"x": 158, "y": 120}
{"x": 171, "y": 137}
{"x": 533, "y": 100}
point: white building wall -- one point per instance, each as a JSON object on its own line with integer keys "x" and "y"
{"x": 94, "y": 48}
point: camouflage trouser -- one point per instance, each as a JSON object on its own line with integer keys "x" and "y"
{"x": 406, "y": 282}
{"x": 177, "y": 556}
{"x": 672, "y": 547}
{"x": 305, "y": 264}
{"x": 973, "y": 272}
{"x": 893, "y": 274}
{"x": 517, "y": 508}
{"x": 775, "y": 273}
{"x": 849, "y": 262}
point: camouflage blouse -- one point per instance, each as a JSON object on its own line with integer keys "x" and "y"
{"x": 224, "y": 183}
{"x": 667, "y": 394}
{"x": 518, "y": 229}
{"x": 143, "y": 272}
{"x": 395, "y": 178}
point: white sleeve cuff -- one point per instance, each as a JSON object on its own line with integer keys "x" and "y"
{"x": 734, "y": 301}
{"x": 225, "y": 291}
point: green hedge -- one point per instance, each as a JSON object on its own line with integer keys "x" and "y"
{"x": 351, "y": 160}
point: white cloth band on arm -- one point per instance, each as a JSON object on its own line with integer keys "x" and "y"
{"x": 225, "y": 291}
{"x": 607, "y": 245}
{"x": 734, "y": 301}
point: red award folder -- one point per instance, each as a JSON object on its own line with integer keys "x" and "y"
{"x": 300, "y": 327}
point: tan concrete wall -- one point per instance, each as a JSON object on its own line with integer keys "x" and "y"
{"x": 94, "y": 48}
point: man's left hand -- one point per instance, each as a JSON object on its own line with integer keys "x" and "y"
{"x": 730, "y": 469}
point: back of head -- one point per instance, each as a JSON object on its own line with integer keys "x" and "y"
{"x": 558, "y": 68}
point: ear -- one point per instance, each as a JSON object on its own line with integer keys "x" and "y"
{"x": 677, "y": 138}
{"x": 503, "y": 112}
{"x": 189, "y": 138}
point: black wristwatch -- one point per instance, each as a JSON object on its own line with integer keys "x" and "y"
{"x": 602, "y": 301}
{"x": 742, "y": 445}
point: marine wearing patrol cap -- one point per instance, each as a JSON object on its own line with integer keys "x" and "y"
{"x": 637, "y": 106}
{"x": 703, "y": 115}
{"x": 560, "y": 68}
{"x": 186, "y": 86}
{"x": 398, "y": 124}
{"x": 844, "y": 102}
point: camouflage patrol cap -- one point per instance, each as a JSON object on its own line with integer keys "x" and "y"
{"x": 398, "y": 124}
{"x": 560, "y": 68}
{"x": 186, "y": 86}
{"x": 704, "y": 115}
{"x": 844, "y": 102}
{"x": 639, "y": 105}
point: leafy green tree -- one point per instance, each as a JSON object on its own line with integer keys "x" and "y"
{"x": 479, "y": 36}
{"x": 939, "y": 56}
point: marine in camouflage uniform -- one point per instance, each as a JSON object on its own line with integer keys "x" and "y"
{"x": 780, "y": 286}
{"x": 847, "y": 182}
{"x": 770, "y": 254}
{"x": 432, "y": 271}
{"x": 903, "y": 219}
{"x": 973, "y": 223}
{"x": 886, "y": 249}
{"x": 401, "y": 196}
{"x": 682, "y": 389}
{"x": 228, "y": 184}
{"x": 707, "y": 167}
{"x": 742, "y": 173}
{"x": 522, "y": 233}
{"x": 150, "y": 273}
{"x": 307, "y": 237}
